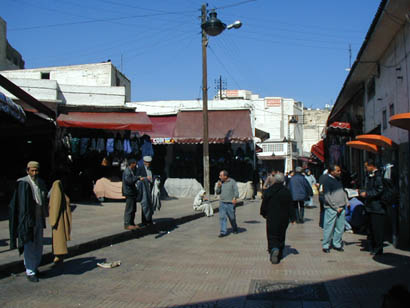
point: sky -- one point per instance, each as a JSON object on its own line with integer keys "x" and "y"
{"x": 295, "y": 48}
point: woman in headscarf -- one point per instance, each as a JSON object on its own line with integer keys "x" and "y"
{"x": 60, "y": 220}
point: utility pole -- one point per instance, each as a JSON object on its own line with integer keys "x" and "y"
{"x": 205, "y": 105}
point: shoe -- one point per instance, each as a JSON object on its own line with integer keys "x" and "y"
{"x": 222, "y": 235}
{"x": 274, "y": 256}
{"x": 326, "y": 250}
{"x": 32, "y": 278}
{"x": 340, "y": 249}
{"x": 349, "y": 231}
{"x": 130, "y": 228}
{"x": 378, "y": 252}
{"x": 235, "y": 231}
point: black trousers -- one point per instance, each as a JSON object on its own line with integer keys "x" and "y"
{"x": 298, "y": 213}
{"x": 276, "y": 236}
{"x": 322, "y": 211}
{"x": 129, "y": 212}
{"x": 376, "y": 235}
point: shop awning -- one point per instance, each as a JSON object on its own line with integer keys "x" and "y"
{"x": 135, "y": 121}
{"x": 378, "y": 140}
{"x": 361, "y": 145}
{"x": 10, "y": 108}
{"x": 261, "y": 134}
{"x": 162, "y": 129}
{"x": 344, "y": 126}
{"x": 232, "y": 126}
{"x": 401, "y": 120}
{"x": 270, "y": 157}
{"x": 318, "y": 150}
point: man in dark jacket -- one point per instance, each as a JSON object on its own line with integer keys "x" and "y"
{"x": 129, "y": 190}
{"x": 372, "y": 194}
{"x": 301, "y": 191}
{"x": 27, "y": 219}
{"x": 276, "y": 208}
{"x": 145, "y": 184}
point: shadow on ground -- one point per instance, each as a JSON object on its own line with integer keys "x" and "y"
{"x": 367, "y": 290}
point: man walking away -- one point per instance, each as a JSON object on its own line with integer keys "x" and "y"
{"x": 276, "y": 208}
{"x": 301, "y": 191}
{"x": 374, "y": 206}
{"x": 228, "y": 189}
{"x": 129, "y": 190}
{"x": 27, "y": 219}
{"x": 335, "y": 202}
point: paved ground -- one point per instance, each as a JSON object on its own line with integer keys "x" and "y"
{"x": 96, "y": 225}
{"x": 191, "y": 267}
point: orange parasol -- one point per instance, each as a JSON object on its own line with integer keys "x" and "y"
{"x": 361, "y": 145}
{"x": 401, "y": 120}
{"x": 378, "y": 140}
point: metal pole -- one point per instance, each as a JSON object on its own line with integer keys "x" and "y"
{"x": 205, "y": 105}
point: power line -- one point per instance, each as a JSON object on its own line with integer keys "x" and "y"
{"x": 234, "y": 4}
{"x": 223, "y": 65}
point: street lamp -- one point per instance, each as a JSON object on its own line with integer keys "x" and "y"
{"x": 292, "y": 119}
{"x": 210, "y": 26}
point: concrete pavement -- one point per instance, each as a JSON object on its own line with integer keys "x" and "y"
{"x": 189, "y": 266}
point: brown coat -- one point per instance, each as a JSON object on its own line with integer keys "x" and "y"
{"x": 59, "y": 218}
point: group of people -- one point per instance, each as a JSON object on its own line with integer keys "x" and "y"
{"x": 139, "y": 185}
{"x": 283, "y": 202}
{"x": 28, "y": 210}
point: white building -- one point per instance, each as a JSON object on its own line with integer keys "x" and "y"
{"x": 314, "y": 123}
{"x": 99, "y": 84}
{"x": 280, "y": 117}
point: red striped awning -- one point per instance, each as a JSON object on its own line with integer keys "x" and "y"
{"x": 318, "y": 150}
{"x": 135, "y": 121}
{"x": 340, "y": 125}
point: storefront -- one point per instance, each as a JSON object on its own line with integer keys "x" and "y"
{"x": 27, "y": 130}
{"x": 95, "y": 145}
{"x": 178, "y": 144}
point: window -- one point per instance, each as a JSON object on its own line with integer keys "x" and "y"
{"x": 391, "y": 109}
{"x": 371, "y": 89}
{"x": 45, "y": 75}
{"x": 384, "y": 119}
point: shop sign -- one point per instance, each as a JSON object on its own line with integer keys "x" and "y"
{"x": 162, "y": 141}
{"x": 273, "y": 102}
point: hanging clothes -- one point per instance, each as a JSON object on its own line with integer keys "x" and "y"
{"x": 110, "y": 145}
{"x": 84, "y": 145}
{"x": 100, "y": 145}
{"x": 127, "y": 146}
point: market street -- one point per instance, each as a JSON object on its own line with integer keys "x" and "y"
{"x": 191, "y": 267}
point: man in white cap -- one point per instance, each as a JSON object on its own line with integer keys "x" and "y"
{"x": 145, "y": 175}
{"x": 27, "y": 219}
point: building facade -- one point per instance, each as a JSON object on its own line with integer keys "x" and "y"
{"x": 97, "y": 84}
{"x": 375, "y": 91}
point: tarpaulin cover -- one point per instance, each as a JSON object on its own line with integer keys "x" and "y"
{"x": 136, "y": 121}
{"x": 318, "y": 150}
{"x": 232, "y": 126}
{"x": 401, "y": 120}
{"x": 378, "y": 140}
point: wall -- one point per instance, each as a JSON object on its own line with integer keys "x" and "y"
{"x": 314, "y": 121}
{"x": 10, "y": 58}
